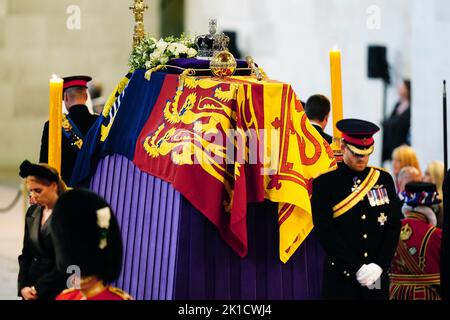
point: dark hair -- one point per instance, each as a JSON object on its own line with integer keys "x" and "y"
{"x": 317, "y": 107}
{"x": 76, "y": 236}
{"x": 407, "y": 84}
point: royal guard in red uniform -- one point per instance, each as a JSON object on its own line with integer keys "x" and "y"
{"x": 88, "y": 244}
{"x": 416, "y": 264}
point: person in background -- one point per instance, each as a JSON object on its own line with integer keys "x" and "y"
{"x": 415, "y": 272}
{"x": 434, "y": 173}
{"x": 95, "y": 89}
{"x": 317, "y": 110}
{"x": 396, "y": 129}
{"x": 38, "y": 277}
{"x": 86, "y": 234}
{"x": 407, "y": 174}
{"x": 75, "y": 125}
{"x": 404, "y": 156}
{"x": 356, "y": 214}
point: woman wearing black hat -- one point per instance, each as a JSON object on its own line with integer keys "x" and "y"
{"x": 38, "y": 277}
{"x": 87, "y": 238}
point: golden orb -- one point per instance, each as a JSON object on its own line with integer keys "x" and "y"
{"x": 223, "y": 64}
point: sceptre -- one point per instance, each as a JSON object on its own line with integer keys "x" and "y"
{"x": 138, "y": 9}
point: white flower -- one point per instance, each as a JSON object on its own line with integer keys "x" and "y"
{"x": 181, "y": 48}
{"x": 191, "y": 52}
{"x": 155, "y": 55}
{"x": 164, "y": 59}
{"x": 161, "y": 45}
{"x": 172, "y": 48}
{"x": 103, "y": 217}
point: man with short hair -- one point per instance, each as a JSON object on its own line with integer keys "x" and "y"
{"x": 75, "y": 124}
{"x": 356, "y": 214}
{"x": 317, "y": 110}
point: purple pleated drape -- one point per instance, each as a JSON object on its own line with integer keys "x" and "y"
{"x": 209, "y": 269}
{"x": 147, "y": 210}
{"x": 171, "y": 251}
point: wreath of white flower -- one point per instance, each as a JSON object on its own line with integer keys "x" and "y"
{"x": 151, "y": 53}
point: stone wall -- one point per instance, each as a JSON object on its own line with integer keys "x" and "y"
{"x": 35, "y": 42}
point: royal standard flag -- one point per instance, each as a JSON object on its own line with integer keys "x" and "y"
{"x": 222, "y": 143}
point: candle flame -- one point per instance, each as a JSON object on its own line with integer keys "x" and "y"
{"x": 55, "y": 78}
{"x": 335, "y": 48}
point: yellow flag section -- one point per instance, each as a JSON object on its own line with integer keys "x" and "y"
{"x": 110, "y": 109}
{"x": 297, "y": 154}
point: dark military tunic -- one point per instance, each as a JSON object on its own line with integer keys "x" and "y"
{"x": 324, "y": 135}
{"x": 366, "y": 233}
{"x": 79, "y": 114}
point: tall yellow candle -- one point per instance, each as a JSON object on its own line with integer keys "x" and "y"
{"x": 336, "y": 89}
{"x": 54, "y": 123}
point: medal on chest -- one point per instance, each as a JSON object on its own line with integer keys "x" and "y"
{"x": 378, "y": 196}
{"x": 356, "y": 187}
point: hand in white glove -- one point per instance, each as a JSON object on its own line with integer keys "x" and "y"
{"x": 361, "y": 271}
{"x": 368, "y": 274}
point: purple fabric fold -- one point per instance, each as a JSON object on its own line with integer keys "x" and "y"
{"x": 171, "y": 251}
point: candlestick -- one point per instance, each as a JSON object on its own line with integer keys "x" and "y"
{"x": 54, "y": 123}
{"x": 336, "y": 90}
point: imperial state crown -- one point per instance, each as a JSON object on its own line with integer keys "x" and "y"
{"x": 211, "y": 43}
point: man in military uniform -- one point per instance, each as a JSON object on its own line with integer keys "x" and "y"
{"x": 416, "y": 266}
{"x": 317, "y": 110}
{"x": 75, "y": 125}
{"x": 356, "y": 214}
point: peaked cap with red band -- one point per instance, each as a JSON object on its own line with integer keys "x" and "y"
{"x": 358, "y": 135}
{"x": 76, "y": 81}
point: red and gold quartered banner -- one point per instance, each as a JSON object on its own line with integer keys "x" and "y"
{"x": 225, "y": 143}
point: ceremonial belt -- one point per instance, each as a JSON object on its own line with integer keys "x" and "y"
{"x": 415, "y": 279}
{"x": 72, "y": 132}
{"x": 358, "y": 194}
{"x": 416, "y": 276}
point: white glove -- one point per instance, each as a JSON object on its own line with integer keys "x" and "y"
{"x": 368, "y": 274}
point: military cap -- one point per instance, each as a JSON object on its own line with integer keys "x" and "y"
{"x": 75, "y": 81}
{"x": 358, "y": 135}
{"x": 420, "y": 194}
{"x": 27, "y": 169}
{"x": 86, "y": 234}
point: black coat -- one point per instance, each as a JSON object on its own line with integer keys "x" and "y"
{"x": 80, "y": 115}
{"x": 37, "y": 262}
{"x": 395, "y": 131}
{"x": 324, "y": 135}
{"x": 356, "y": 237}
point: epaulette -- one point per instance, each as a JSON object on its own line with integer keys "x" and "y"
{"x": 120, "y": 293}
{"x": 379, "y": 168}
